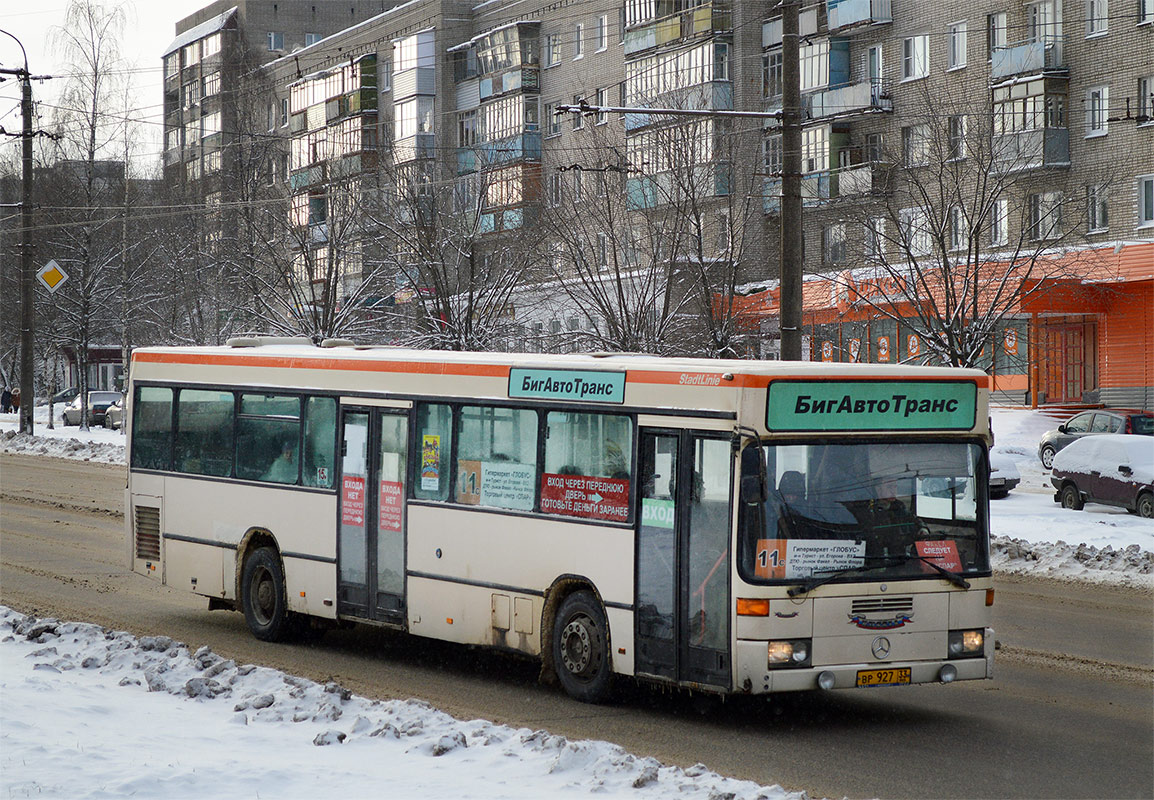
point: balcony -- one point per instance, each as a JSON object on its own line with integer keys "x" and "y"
{"x": 857, "y": 98}
{"x": 414, "y": 147}
{"x": 512, "y": 81}
{"x": 819, "y": 188}
{"x": 527, "y": 146}
{"x": 1031, "y": 149}
{"x": 848, "y": 17}
{"x": 704, "y": 20}
{"x": 304, "y": 178}
{"x": 715, "y": 95}
{"x": 1028, "y": 57}
{"x": 418, "y": 80}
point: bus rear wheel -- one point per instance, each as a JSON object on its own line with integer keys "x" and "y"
{"x": 263, "y": 597}
{"x": 581, "y": 648}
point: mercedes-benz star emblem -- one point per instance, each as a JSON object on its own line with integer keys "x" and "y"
{"x": 881, "y": 647}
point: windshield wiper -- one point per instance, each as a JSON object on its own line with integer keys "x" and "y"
{"x": 882, "y": 561}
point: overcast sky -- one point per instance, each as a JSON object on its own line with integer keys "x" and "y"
{"x": 151, "y": 26}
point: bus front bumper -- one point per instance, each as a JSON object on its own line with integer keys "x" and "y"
{"x": 751, "y": 664}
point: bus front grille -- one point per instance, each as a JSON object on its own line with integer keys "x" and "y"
{"x": 147, "y": 529}
{"x": 881, "y": 605}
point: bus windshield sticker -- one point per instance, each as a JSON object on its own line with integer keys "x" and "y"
{"x": 585, "y": 496}
{"x": 390, "y": 505}
{"x": 657, "y": 513}
{"x": 943, "y": 553}
{"x": 804, "y": 558}
{"x": 567, "y": 384}
{"x": 430, "y": 462}
{"x": 871, "y": 405}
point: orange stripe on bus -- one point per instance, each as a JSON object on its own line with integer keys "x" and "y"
{"x": 308, "y": 362}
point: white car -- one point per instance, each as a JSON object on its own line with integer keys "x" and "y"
{"x": 1004, "y": 475}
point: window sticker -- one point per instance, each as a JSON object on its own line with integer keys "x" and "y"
{"x": 943, "y": 553}
{"x": 353, "y": 501}
{"x": 501, "y": 484}
{"x": 585, "y": 496}
{"x": 430, "y": 462}
{"x": 390, "y": 505}
{"x": 657, "y": 513}
{"x": 805, "y": 558}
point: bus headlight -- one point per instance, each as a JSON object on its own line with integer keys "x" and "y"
{"x": 966, "y": 644}
{"x": 789, "y": 653}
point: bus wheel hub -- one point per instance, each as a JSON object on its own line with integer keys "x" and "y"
{"x": 577, "y": 646}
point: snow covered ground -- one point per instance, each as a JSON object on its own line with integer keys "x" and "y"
{"x": 94, "y": 713}
{"x": 1032, "y": 533}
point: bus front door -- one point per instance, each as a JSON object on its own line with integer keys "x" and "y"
{"x": 682, "y": 611}
{"x": 371, "y": 545}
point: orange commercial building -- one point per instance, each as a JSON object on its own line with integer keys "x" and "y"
{"x": 1085, "y": 338}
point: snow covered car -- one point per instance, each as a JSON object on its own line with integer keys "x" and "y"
{"x": 98, "y": 403}
{"x": 1114, "y": 469}
{"x": 1092, "y": 423}
{"x": 1004, "y": 475}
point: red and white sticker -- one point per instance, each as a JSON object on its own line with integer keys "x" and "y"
{"x": 585, "y": 496}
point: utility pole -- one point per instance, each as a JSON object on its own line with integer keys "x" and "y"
{"x": 27, "y": 268}
{"x": 790, "y": 216}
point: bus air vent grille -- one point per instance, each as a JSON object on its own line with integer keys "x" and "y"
{"x": 882, "y": 605}
{"x": 147, "y": 532}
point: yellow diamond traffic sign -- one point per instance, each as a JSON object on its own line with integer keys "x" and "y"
{"x": 52, "y": 275}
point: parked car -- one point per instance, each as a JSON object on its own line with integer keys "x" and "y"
{"x": 114, "y": 416}
{"x": 1114, "y": 469}
{"x": 1004, "y": 475}
{"x": 1102, "y": 420}
{"x": 98, "y": 403}
{"x": 63, "y": 396}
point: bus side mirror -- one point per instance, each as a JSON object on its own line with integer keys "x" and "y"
{"x": 754, "y": 484}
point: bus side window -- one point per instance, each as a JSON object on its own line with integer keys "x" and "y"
{"x": 588, "y": 465}
{"x": 497, "y": 457}
{"x": 435, "y": 446}
{"x": 152, "y": 428}
{"x": 204, "y": 432}
{"x": 268, "y": 438}
{"x": 320, "y": 441}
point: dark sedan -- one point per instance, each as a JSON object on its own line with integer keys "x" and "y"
{"x": 1113, "y": 469}
{"x": 1101, "y": 420}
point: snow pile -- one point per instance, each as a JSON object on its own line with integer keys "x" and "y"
{"x": 62, "y": 446}
{"x": 1128, "y": 566}
{"x": 147, "y": 717}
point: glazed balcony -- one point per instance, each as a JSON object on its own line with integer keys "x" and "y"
{"x": 1038, "y": 148}
{"x": 706, "y": 19}
{"x": 847, "y": 17}
{"x": 857, "y": 98}
{"x": 1024, "y": 58}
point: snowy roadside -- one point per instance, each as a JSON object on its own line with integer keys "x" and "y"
{"x": 89, "y": 712}
{"x": 1033, "y": 535}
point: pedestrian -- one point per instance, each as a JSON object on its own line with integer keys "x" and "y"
{"x": 5, "y": 401}
{"x": 16, "y": 399}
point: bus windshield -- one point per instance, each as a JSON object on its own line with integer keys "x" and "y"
{"x": 867, "y": 511}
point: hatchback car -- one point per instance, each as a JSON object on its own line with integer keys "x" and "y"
{"x": 98, "y": 403}
{"x": 1102, "y": 420}
{"x": 1004, "y": 475}
{"x": 1113, "y": 469}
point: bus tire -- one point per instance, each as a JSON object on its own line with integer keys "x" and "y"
{"x": 263, "y": 597}
{"x": 581, "y": 648}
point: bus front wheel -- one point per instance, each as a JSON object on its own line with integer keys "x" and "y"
{"x": 581, "y": 648}
{"x": 263, "y": 596}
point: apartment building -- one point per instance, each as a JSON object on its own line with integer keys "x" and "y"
{"x": 452, "y": 109}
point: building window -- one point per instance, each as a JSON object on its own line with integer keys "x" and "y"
{"x": 771, "y": 147}
{"x": 1045, "y": 215}
{"x": 956, "y": 135}
{"x": 312, "y": 38}
{"x": 814, "y": 67}
{"x": 602, "y": 32}
{"x": 999, "y": 222}
{"x": 1146, "y": 99}
{"x": 956, "y": 52}
{"x": 1097, "y": 111}
{"x": 210, "y": 84}
{"x": 874, "y": 148}
{"x": 915, "y": 57}
{"x": 916, "y": 144}
{"x": 556, "y": 188}
{"x": 210, "y": 45}
{"x": 959, "y": 230}
{"x": 552, "y": 120}
{"x": 578, "y": 186}
{"x": 284, "y": 112}
{"x": 602, "y": 100}
{"x": 603, "y": 250}
{"x": 579, "y": 44}
{"x": 771, "y": 75}
{"x": 1145, "y": 12}
{"x": 1145, "y": 201}
{"x": 915, "y": 231}
{"x": 1097, "y": 216}
{"x": 814, "y": 149}
{"x": 578, "y": 119}
{"x": 833, "y": 243}
{"x": 995, "y": 33}
{"x": 275, "y": 40}
{"x": 1097, "y": 21}
{"x": 875, "y": 237}
{"x": 552, "y": 49}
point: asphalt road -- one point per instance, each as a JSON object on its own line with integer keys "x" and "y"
{"x": 1069, "y": 714}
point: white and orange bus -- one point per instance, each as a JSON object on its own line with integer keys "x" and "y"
{"x": 728, "y": 526}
